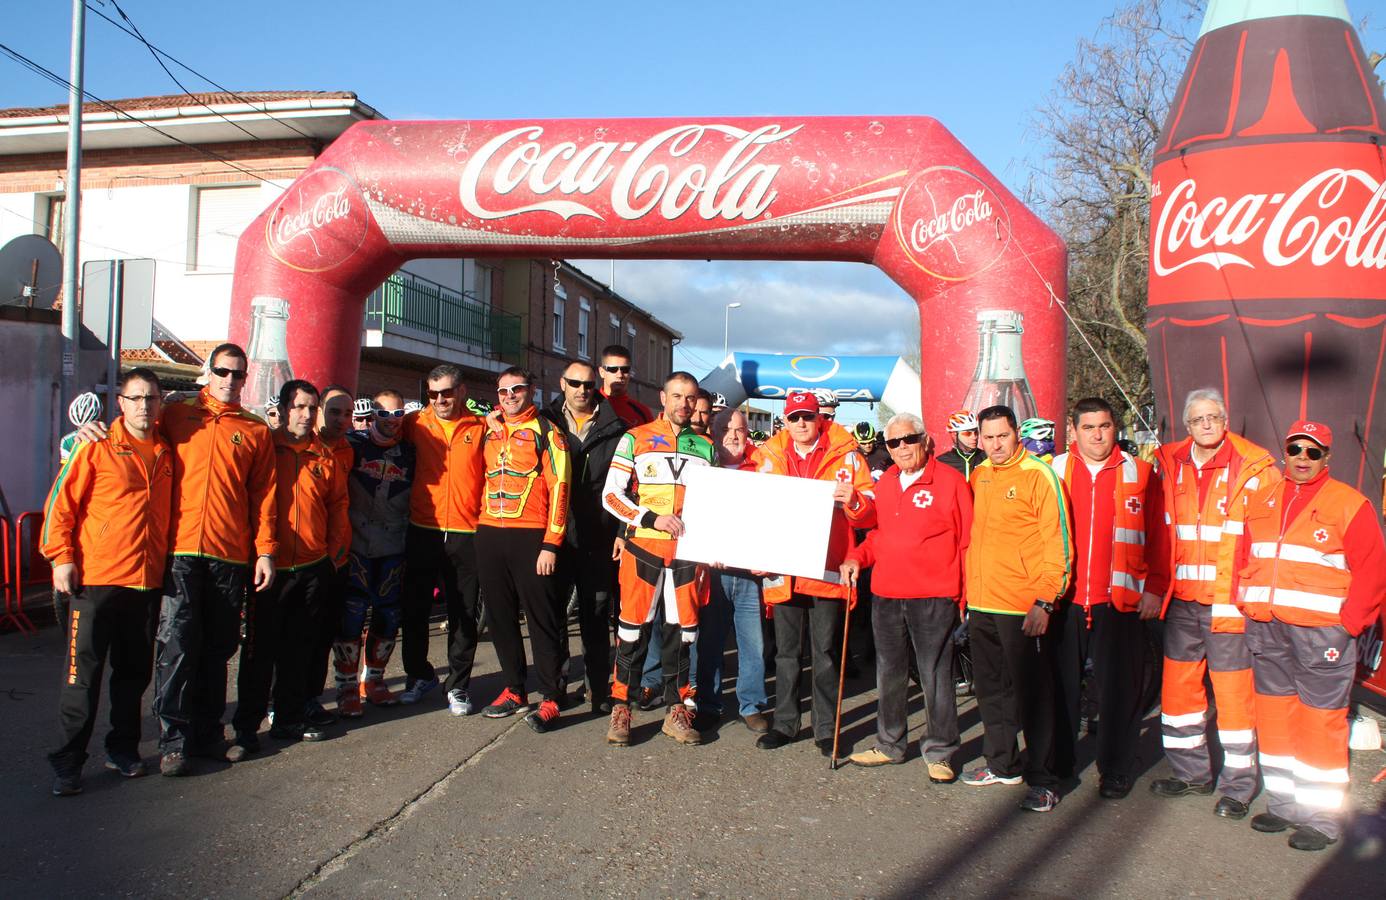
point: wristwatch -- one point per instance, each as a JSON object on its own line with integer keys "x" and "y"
{"x": 1046, "y": 606}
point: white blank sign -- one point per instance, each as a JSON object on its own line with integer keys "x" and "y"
{"x": 757, "y": 521}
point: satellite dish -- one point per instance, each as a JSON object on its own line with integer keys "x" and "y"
{"x": 31, "y": 272}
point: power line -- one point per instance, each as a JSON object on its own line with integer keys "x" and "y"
{"x": 63, "y": 82}
{"x": 160, "y": 52}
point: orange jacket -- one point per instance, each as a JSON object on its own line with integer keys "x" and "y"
{"x": 520, "y": 454}
{"x": 311, "y": 500}
{"x": 1205, "y": 510}
{"x": 446, "y": 495}
{"x": 840, "y": 461}
{"x": 109, "y": 514}
{"x": 1022, "y": 538}
{"x": 223, "y": 480}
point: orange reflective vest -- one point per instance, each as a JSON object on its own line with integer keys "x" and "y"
{"x": 311, "y": 499}
{"x": 1203, "y": 536}
{"x": 446, "y": 495}
{"x": 1298, "y": 572}
{"x": 520, "y": 456}
{"x": 1129, "y": 566}
{"x": 840, "y": 461}
{"x": 109, "y": 514}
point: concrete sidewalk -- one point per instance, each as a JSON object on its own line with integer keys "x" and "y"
{"x": 412, "y": 801}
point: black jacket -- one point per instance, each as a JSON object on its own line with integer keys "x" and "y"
{"x": 590, "y": 526}
{"x": 963, "y": 464}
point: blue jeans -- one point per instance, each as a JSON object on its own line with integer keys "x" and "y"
{"x": 733, "y": 601}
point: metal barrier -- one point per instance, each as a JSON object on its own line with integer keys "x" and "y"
{"x": 14, "y": 606}
{"x": 6, "y": 576}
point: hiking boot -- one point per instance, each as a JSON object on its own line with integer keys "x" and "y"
{"x": 543, "y": 718}
{"x": 678, "y": 724}
{"x": 940, "y": 772}
{"x": 127, "y": 764}
{"x": 984, "y": 776}
{"x": 459, "y": 702}
{"x": 1039, "y": 799}
{"x": 314, "y": 714}
{"x": 374, "y": 692}
{"x": 174, "y": 765}
{"x": 618, "y": 732}
{"x": 415, "y": 692}
{"x": 68, "y": 783}
{"x": 349, "y": 702}
{"x": 507, "y": 704}
{"x": 1174, "y": 787}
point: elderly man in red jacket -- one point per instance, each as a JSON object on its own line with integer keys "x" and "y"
{"x": 924, "y": 517}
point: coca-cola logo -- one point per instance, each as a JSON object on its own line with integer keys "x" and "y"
{"x": 319, "y": 222}
{"x": 711, "y": 171}
{"x": 1334, "y": 215}
{"x": 951, "y": 224}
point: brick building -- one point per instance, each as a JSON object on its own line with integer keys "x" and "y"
{"x": 145, "y": 195}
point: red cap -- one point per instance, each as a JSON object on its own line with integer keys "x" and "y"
{"x": 800, "y": 401}
{"x": 1317, "y": 432}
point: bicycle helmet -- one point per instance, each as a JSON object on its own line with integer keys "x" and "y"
{"x": 962, "y": 420}
{"x": 759, "y": 437}
{"x": 825, "y": 397}
{"x": 477, "y": 407}
{"x": 362, "y": 407}
{"x": 1037, "y": 429}
{"x": 413, "y": 406}
{"x": 84, "y": 410}
{"x": 865, "y": 432}
{"x": 719, "y": 401}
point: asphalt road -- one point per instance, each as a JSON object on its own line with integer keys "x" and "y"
{"x": 410, "y": 801}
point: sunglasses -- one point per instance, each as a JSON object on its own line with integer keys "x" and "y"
{"x": 910, "y": 439}
{"x": 971, "y": 431}
{"x": 389, "y": 413}
{"x": 829, "y": 416}
{"x": 801, "y": 417}
{"x": 617, "y": 369}
{"x": 1314, "y": 453}
{"x": 585, "y": 385}
{"x": 512, "y": 390}
{"x": 223, "y": 372}
{"x": 444, "y": 394}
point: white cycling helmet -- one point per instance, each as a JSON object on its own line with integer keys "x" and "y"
{"x": 825, "y": 397}
{"x": 413, "y": 406}
{"x": 84, "y": 410}
{"x": 962, "y": 420}
{"x": 361, "y": 407}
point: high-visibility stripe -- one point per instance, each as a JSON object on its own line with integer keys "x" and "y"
{"x": 1198, "y": 533}
{"x": 1278, "y": 762}
{"x": 1195, "y": 573}
{"x": 1232, "y": 526}
{"x": 1299, "y": 599}
{"x": 1175, "y": 742}
{"x": 1236, "y": 736}
{"x": 627, "y": 634}
{"x": 1184, "y": 720}
{"x": 1305, "y": 772}
{"x": 1128, "y": 581}
{"x": 1130, "y": 536}
{"x": 1319, "y": 798}
{"x": 1278, "y": 784}
{"x": 1226, "y": 611}
{"x": 1298, "y": 553}
{"x": 1236, "y": 760}
{"x": 1168, "y": 519}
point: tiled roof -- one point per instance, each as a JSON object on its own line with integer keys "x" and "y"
{"x": 176, "y": 101}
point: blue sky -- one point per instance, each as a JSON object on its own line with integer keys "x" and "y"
{"x": 980, "y": 68}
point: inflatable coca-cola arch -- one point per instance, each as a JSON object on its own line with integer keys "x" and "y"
{"x": 900, "y": 193}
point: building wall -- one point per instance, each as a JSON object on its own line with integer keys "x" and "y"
{"x": 30, "y": 345}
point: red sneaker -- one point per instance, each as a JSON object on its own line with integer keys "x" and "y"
{"x": 507, "y": 704}
{"x": 543, "y": 718}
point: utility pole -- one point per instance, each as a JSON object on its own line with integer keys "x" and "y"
{"x": 72, "y": 205}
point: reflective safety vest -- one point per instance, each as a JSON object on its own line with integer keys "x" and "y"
{"x": 1203, "y": 536}
{"x": 1129, "y": 566}
{"x": 1297, "y": 572}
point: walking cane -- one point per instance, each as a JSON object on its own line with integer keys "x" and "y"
{"x": 842, "y": 671}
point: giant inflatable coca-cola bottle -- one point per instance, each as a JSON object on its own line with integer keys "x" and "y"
{"x": 1268, "y": 232}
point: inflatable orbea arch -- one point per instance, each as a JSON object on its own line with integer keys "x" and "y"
{"x": 899, "y": 193}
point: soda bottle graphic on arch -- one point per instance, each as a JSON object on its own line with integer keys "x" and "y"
{"x": 1268, "y": 232}
{"x": 999, "y": 378}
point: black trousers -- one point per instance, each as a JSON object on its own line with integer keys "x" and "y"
{"x": 199, "y": 631}
{"x": 824, "y": 617}
{"x": 593, "y": 574}
{"x": 1014, "y": 677}
{"x": 928, "y": 624}
{"x": 114, "y": 623}
{"x": 509, "y": 583}
{"x": 448, "y": 560}
{"x": 1116, "y": 645}
{"x": 333, "y": 602}
{"x": 282, "y": 626}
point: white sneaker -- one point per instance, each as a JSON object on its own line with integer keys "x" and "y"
{"x": 459, "y": 704}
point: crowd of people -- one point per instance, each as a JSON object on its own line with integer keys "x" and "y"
{"x": 313, "y": 539}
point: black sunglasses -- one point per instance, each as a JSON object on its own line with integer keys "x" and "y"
{"x": 223, "y": 372}
{"x": 801, "y": 417}
{"x": 617, "y": 369}
{"x": 575, "y": 383}
{"x": 445, "y": 393}
{"x": 1314, "y": 453}
{"x": 910, "y": 439}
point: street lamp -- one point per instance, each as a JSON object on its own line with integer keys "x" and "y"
{"x": 726, "y": 327}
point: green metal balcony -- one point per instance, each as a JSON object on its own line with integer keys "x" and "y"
{"x": 417, "y": 308}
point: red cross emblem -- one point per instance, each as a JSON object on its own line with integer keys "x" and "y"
{"x": 1133, "y": 505}
{"x": 1222, "y": 505}
{"x": 1309, "y": 427}
{"x": 1331, "y": 654}
{"x": 922, "y": 499}
{"x": 844, "y": 474}
{"x": 1321, "y": 536}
